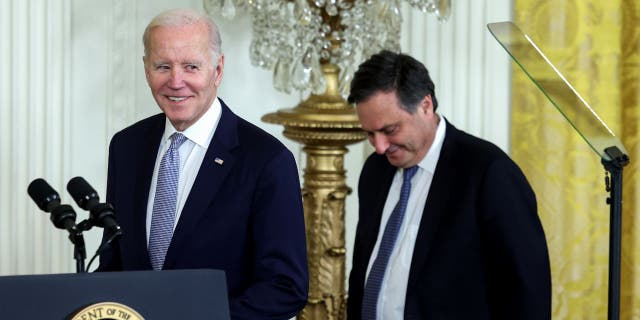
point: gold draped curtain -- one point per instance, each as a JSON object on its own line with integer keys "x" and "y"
{"x": 596, "y": 45}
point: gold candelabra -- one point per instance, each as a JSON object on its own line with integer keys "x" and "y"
{"x": 325, "y": 124}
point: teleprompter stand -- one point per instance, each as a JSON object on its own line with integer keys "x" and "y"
{"x": 614, "y": 167}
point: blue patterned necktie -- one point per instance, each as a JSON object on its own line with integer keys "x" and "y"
{"x": 164, "y": 204}
{"x": 379, "y": 267}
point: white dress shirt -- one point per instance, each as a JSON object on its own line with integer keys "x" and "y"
{"x": 394, "y": 286}
{"x": 192, "y": 152}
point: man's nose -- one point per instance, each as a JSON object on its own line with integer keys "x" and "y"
{"x": 379, "y": 142}
{"x": 177, "y": 78}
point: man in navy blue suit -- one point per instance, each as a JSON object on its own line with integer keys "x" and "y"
{"x": 469, "y": 243}
{"x": 236, "y": 202}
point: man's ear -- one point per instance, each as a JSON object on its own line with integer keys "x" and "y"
{"x": 426, "y": 105}
{"x": 146, "y": 70}
{"x": 219, "y": 70}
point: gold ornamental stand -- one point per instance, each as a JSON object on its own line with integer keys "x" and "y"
{"x": 325, "y": 124}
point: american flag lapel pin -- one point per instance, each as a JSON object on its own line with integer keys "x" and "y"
{"x": 218, "y": 161}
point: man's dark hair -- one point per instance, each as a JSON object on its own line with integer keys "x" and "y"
{"x": 387, "y": 71}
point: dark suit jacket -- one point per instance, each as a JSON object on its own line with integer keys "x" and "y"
{"x": 243, "y": 216}
{"x": 480, "y": 252}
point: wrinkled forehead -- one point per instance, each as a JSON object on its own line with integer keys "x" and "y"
{"x": 179, "y": 43}
{"x": 179, "y": 36}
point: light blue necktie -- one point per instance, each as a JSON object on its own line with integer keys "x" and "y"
{"x": 379, "y": 267}
{"x": 164, "y": 204}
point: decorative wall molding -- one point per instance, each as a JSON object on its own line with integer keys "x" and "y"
{"x": 123, "y": 67}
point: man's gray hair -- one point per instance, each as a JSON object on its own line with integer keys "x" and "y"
{"x": 183, "y": 17}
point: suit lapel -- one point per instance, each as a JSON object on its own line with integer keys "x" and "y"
{"x": 144, "y": 173}
{"x": 372, "y": 227}
{"x": 208, "y": 181}
{"x": 440, "y": 191}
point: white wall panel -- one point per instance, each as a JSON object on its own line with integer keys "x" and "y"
{"x": 32, "y": 128}
{"x": 6, "y": 254}
{"x": 468, "y": 67}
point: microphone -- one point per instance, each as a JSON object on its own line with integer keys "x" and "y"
{"x": 100, "y": 214}
{"x": 48, "y": 200}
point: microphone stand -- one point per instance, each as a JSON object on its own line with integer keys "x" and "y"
{"x": 614, "y": 187}
{"x": 79, "y": 249}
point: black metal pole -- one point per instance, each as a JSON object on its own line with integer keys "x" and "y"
{"x": 79, "y": 251}
{"x": 614, "y": 187}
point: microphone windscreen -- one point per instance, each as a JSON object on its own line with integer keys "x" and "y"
{"x": 43, "y": 194}
{"x": 82, "y": 192}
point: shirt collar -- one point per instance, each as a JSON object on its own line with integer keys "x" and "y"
{"x": 199, "y": 132}
{"x": 430, "y": 161}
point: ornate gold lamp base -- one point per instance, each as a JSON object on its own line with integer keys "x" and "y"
{"x": 325, "y": 125}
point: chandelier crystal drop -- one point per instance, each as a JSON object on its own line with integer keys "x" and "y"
{"x": 293, "y": 38}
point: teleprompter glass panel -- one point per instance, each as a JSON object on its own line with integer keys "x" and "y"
{"x": 556, "y": 88}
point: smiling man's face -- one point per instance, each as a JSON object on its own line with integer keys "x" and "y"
{"x": 181, "y": 74}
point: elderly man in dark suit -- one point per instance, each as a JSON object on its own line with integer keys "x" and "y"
{"x": 198, "y": 187}
{"x": 448, "y": 225}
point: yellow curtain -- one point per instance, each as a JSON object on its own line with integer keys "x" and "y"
{"x": 596, "y": 45}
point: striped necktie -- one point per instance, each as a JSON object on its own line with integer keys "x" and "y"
{"x": 379, "y": 267}
{"x": 164, "y": 204}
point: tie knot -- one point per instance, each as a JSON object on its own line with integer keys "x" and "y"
{"x": 410, "y": 172}
{"x": 176, "y": 140}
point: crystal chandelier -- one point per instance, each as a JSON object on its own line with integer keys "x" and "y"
{"x": 295, "y": 37}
